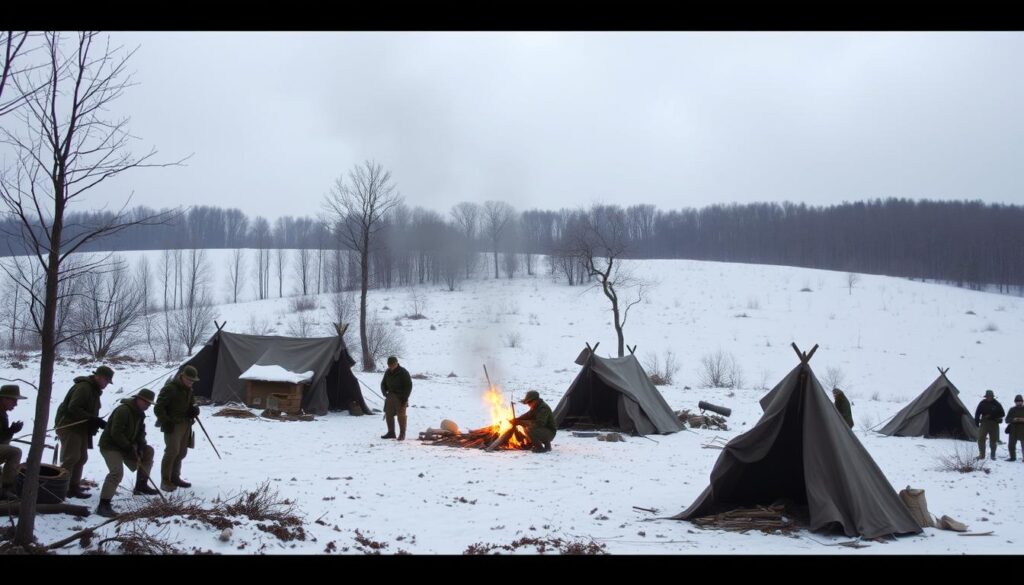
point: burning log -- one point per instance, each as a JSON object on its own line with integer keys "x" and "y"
{"x": 501, "y": 434}
{"x": 478, "y": 439}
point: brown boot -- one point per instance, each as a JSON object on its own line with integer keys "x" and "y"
{"x": 106, "y": 510}
{"x": 401, "y": 428}
{"x": 391, "y": 429}
{"x": 142, "y": 489}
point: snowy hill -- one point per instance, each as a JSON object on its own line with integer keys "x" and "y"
{"x": 885, "y": 337}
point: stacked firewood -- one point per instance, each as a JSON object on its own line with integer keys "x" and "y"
{"x": 704, "y": 420}
{"x": 768, "y": 519}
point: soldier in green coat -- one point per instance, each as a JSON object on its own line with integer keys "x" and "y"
{"x": 10, "y": 456}
{"x": 539, "y": 422}
{"x": 843, "y": 406}
{"x": 1015, "y": 426}
{"x": 176, "y": 412}
{"x": 988, "y": 415}
{"x": 77, "y": 421}
{"x": 396, "y": 386}
{"x": 123, "y": 444}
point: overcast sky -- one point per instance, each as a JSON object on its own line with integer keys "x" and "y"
{"x": 567, "y": 119}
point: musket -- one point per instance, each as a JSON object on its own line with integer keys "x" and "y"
{"x": 208, "y": 438}
{"x": 30, "y": 442}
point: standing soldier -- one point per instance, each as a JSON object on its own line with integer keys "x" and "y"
{"x": 843, "y": 406}
{"x": 396, "y": 386}
{"x": 10, "y": 456}
{"x": 78, "y": 420}
{"x": 1014, "y": 426}
{"x": 123, "y": 443}
{"x": 176, "y": 412}
{"x": 988, "y": 415}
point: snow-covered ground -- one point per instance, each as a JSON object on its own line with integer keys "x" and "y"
{"x": 886, "y": 336}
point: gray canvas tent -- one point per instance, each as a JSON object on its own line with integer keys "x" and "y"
{"x": 937, "y": 412}
{"x": 802, "y": 451}
{"x": 615, "y": 393}
{"x": 226, "y": 355}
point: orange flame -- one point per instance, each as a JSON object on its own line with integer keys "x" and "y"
{"x": 501, "y": 413}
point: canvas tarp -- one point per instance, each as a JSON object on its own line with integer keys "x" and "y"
{"x": 223, "y": 359}
{"x": 936, "y": 412}
{"x": 802, "y": 451}
{"x": 618, "y": 393}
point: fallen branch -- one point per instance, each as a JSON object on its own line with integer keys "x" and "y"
{"x": 78, "y": 535}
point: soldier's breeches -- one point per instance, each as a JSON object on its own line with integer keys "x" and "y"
{"x": 393, "y": 406}
{"x": 175, "y": 449}
{"x": 990, "y": 429}
{"x": 540, "y": 435}
{"x": 74, "y": 452}
{"x": 1015, "y": 436}
{"x": 116, "y": 462}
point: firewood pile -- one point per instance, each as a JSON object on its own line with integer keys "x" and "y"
{"x": 232, "y": 412}
{"x": 767, "y": 519}
{"x": 706, "y": 420}
{"x": 471, "y": 439}
{"x": 278, "y": 415}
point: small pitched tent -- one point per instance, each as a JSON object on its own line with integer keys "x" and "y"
{"x": 801, "y": 450}
{"x": 615, "y": 393}
{"x": 937, "y": 412}
{"x": 226, "y": 355}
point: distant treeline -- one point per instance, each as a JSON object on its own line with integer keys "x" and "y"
{"x": 969, "y": 243}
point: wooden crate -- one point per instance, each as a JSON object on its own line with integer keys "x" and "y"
{"x": 285, "y": 403}
{"x": 261, "y": 394}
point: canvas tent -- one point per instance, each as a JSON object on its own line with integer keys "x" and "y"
{"x": 802, "y": 451}
{"x": 227, "y": 355}
{"x": 615, "y": 393}
{"x": 937, "y": 412}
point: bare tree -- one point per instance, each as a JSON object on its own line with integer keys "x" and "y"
{"x": 496, "y": 218}
{"x": 67, "y": 147}
{"x": 150, "y": 327}
{"x": 384, "y": 339}
{"x": 467, "y": 220}
{"x": 236, "y": 272}
{"x": 261, "y": 236}
{"x": 280, "y": 256}
{"x": 192, "y": 322}
{"x": 106, "y": 311}
{"x": 720, "y": 370}
{"x": 303, "y": 269}
{"x": 453, "y": 251}
{"x": 12, "y": 94}
{"x": 511, "y": 248}
{"x": 357, "y": 208}
{"x": 852, "y": 278}
{"x": 342, "y": 309}
{"x": 301, "y": 325}
{"x": 600, "y": 245}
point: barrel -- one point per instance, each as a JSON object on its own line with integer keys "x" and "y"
{"x": 53, "y": 483}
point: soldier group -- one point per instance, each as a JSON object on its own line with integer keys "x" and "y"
{"x": 123, "y": 441}
{"x": 989, "y": 414}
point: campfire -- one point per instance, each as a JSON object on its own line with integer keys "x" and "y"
{"x": 499, "y": 435}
